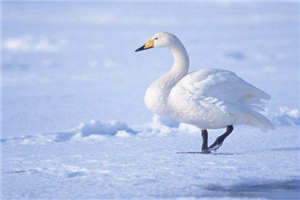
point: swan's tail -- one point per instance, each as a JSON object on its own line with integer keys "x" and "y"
{"x": 256, "y": 119}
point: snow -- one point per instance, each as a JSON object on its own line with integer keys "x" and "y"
{"x": 149, "y": 167}
{"x": 74, "y": 123}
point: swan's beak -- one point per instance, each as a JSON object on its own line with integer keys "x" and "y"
{"x": 147, "y": 45}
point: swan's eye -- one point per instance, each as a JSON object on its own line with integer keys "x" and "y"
{"x": 156, "y": 38}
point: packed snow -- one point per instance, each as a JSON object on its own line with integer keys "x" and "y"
{"x": 74, "y": 123}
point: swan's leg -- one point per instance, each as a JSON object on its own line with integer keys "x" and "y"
{"x": 204, "y": 141}
{"x": 219, "y": 141}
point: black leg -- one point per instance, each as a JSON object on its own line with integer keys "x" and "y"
{"x": 219, "y": 141}
{"x": 204, "y": 141}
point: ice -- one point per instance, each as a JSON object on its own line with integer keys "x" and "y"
{"x": 74, "y": 123}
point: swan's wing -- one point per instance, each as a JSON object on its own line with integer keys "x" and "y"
{"x": 215, "y": 98}
{"x": 222, "y": 85}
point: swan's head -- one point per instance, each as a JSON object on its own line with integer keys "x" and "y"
{"x": 163, "y": 39}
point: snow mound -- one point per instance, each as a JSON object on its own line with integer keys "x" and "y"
{"x": 286, "y": 117}
{"x": 95, "y": 131}
{"x": 104, "y": 128}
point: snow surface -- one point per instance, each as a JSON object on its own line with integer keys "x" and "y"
{"x": 74, "y": 124}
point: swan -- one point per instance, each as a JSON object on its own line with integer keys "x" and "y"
{"x": 208, "y": 98}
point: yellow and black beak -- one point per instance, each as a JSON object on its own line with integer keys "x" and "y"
{"x": 147, "y": 45}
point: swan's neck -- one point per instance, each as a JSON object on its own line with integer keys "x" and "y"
{"x": 181, "y": 62}
{"x": 179, "y": 69}
{"x": 157, "y": 94}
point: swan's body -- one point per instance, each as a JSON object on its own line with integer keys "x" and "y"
{"x": 208, "y": 98}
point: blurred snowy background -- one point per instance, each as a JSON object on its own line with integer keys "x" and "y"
{"x": 65, "y": 64}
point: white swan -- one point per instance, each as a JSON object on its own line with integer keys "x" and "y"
{"x": 208, "y": 98}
